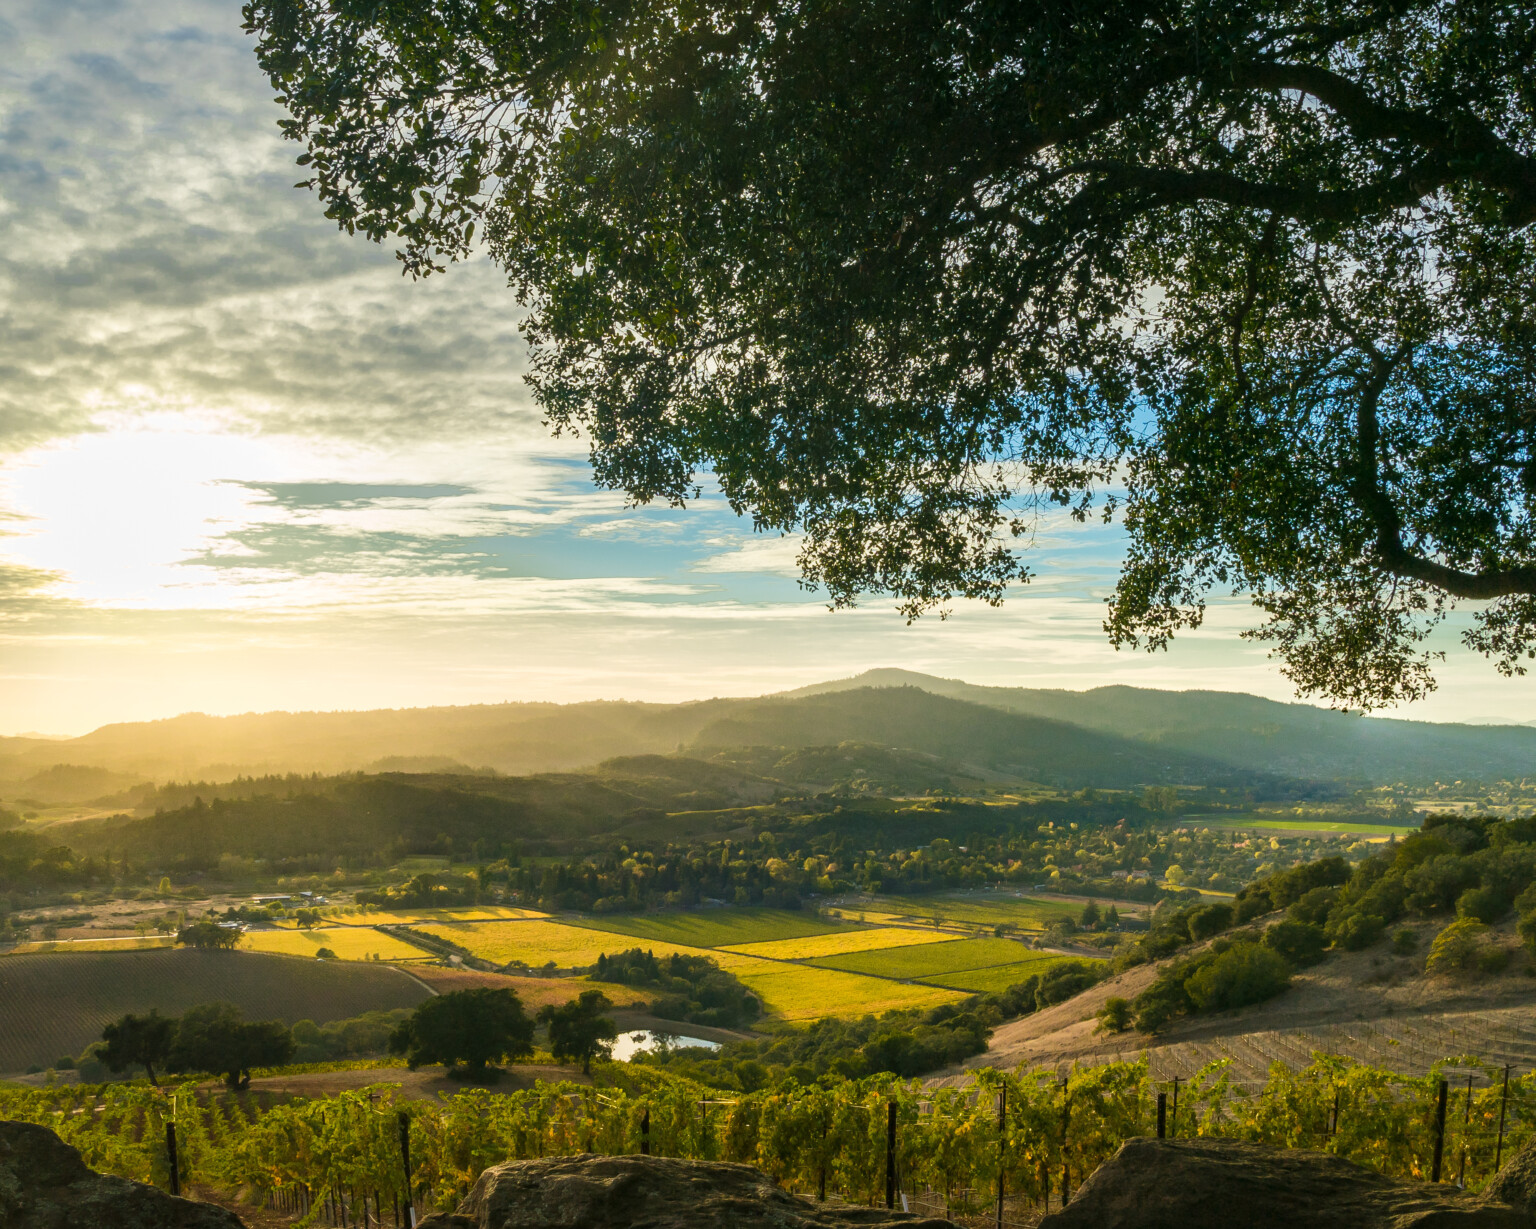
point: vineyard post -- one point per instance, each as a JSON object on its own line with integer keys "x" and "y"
{"x": 1434, "y": 1170}
{"x": 1466, "y": 1122}
{"x": 404, "y": 1122}
{"x": 1162, "y": 1115}
{"x": 645, "y": 1132}
{"x": 890, "y": 1155}
{"x": 821, "y": 1184}
{"x": 1498, "y": 1154}
{"x": 1175, "y": 1123}
{"x": 1066, "y": 1172}
{"x": 170, "y": 1153}
{"x": 1334, "y": 1128}
{"x": 1002, "y": 1146}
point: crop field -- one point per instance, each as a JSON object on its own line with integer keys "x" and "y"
{"x": 1256, "y": 823}
{"x": 536, "y": 942}
{"x": 986, "y": 909}
{"x": 393, "y": 917}
{"x": 138, "y": 943}
{"x": 930, "y": 959}
{"x": 997, "y": 977}
{"x": 716, "y": 927}
{"x": 56, "y": 1003}
{"x": 348, "y": 942}
{"x": 841, "y": 942}
{"x": 535, "y": 992}
{"x": 797, "y": 992}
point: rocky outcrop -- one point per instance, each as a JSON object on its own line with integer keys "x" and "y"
{"x": 1515, "y": 1184}
{"x": 45, "y": 1185}
{"x": 1227, "y": 1184}
{"x": 648, "y": 1192}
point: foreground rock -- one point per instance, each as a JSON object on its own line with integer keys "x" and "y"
{"x": 631, "y": 1192}
{"x": 1225, "y": 1184}
{"x": 45, "y": 1185}
{"x": 1515, "y": 1184}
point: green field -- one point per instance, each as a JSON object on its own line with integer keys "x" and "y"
{"x": 797, "y": 992}
{"x": 1261, "y": 824}
{"x": 715, "y": 927}
{"x": 56, "y": 1003}
{"x": 986, "y": 909}
{"x": 999, "y": 977}
{"x": 841, "y": 942}
{"x": 347, "y": 942}
{"x": 929, "y": 959}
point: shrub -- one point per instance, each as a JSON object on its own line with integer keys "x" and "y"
{"x": 1115, "y": 1016}
{"x": 1405, "y": 941}
{"x": 1245, "y": 973}
{"x": 1355, "y": 932}
{"x": 325, "y": 953}
{"x": 1456, "y": 948}
{"x": 1208, "y": 921}
{"x": 1313, "y": 906}
{"x": 1300, "y": 943}
{"x": 1482, "y": 905}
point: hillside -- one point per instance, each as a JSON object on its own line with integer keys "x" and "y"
{"x": 1249, "y": 732}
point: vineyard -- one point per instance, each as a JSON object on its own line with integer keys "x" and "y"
{"x": 341, "y": 1158}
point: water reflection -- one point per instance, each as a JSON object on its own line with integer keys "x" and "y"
{"x": 628, "y": 1045}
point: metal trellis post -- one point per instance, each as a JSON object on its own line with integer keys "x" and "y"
{"x": 890, "y": 1155}
{"x": 1498, "y": 1154}
{"x": 1434, "y": 1170}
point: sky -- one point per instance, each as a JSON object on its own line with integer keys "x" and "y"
{"x": 245, "y": 465}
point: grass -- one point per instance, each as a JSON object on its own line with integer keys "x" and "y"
{"x": 930, "y": 959}
{"x": 999, "y": 976}
{"x": 1345, "y": 827}
{"x": 536, "y": 942}
{"x": 56, "y": 1003}
{"x": 535, "y": 992}
{"x": 348, "y": 942}
{"x": 841, "y": 942}
{"x": 396, "y": 917}
{"x": 795, "y": 993}
{"x": 137, "y": 943}
{"x": 989, "y": 909}
{"x": 715, "y": 927}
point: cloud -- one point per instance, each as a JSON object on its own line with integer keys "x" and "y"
{"x": 770, "y": 556}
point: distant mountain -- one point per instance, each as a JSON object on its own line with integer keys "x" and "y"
{"x": 1245, "y": 731}
{"x": 1108, "y": 736}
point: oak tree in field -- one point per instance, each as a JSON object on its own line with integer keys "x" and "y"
{"x": 466, "y": 1029}
{"x": 137, "y": 1041}
{"x": 1251, "y": 277}
{"x": 215, "y": 1037}
{"x": 578, "y": 1030}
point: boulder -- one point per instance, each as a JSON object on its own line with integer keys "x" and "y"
{"x": 45, "y": 1185}
{"x": 1515, "y": 1184}
{"x": 1227, "y": 1184}
{"x": 648, "y": 1192}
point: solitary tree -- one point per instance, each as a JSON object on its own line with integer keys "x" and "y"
{"x": 142, "y": 1041}
{"x": 215, "y": 1037}
{"x": 465, "y": 1029}
{"x": 905, "y": 275}
{"x": 579, "y": 1031}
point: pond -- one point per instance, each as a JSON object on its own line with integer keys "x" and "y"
{"x": 629, "y": 1044}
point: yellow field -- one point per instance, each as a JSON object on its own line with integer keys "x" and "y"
{"x": 841, "y": 942}
{"x": 395, "y": 917}
{"x": 797, "y": 992}
{"x": 348, "y": 942}
{"x": 137, "y": 943}
{"x": 537, "y": 942}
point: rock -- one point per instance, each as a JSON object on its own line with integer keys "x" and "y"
{"x": 45, "y": 1185}
{"x": 631, "y": 1192}
{"x": 1227, "y": 1184}
{"x": 1515, "y": 1184}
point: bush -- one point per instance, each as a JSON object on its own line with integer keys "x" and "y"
{"x": 1208, "y": 921}
{"x": 1456, "y": 948}
{"x": 1355, "y": 932}
{"x": 1115, "y": 1016}
{"x": 1313, "y": 906}
{"x": 1482, "y": 905}
{"x": 325, "y": 953}
{"x": 1300, "y": 943}
{"x": 1245, "y": 973}
{"x": 1405, "y": 941}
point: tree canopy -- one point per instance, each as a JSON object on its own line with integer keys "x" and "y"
{"x": 215, "y": 1037}
{"x": 466, "y": 1028}
{"x": 911, "y": 279}
{"x": 578, "y": 1030}
{"x": 138, "y": 1041}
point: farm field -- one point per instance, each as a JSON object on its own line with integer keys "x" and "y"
{"x": 985, "y": 909}
{"x": 716, "y": 927}
{"x": 348, "y": 942}
{"x": 841, "y": 942}
{"x": 930, "y": 959}
{"x": 395, "y": 917}
{"x": 797, "y": 993}
{"x": 1257, "y": 823}
{"x": 56, "y": 1003}
{"x": 535, "y": 992}
{"x": 138, "y": 943}
{"x": 997, "y": 977}
{"x": 535, "y": 942}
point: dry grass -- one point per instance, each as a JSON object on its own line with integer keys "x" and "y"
{"x": 348, "y": 942}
